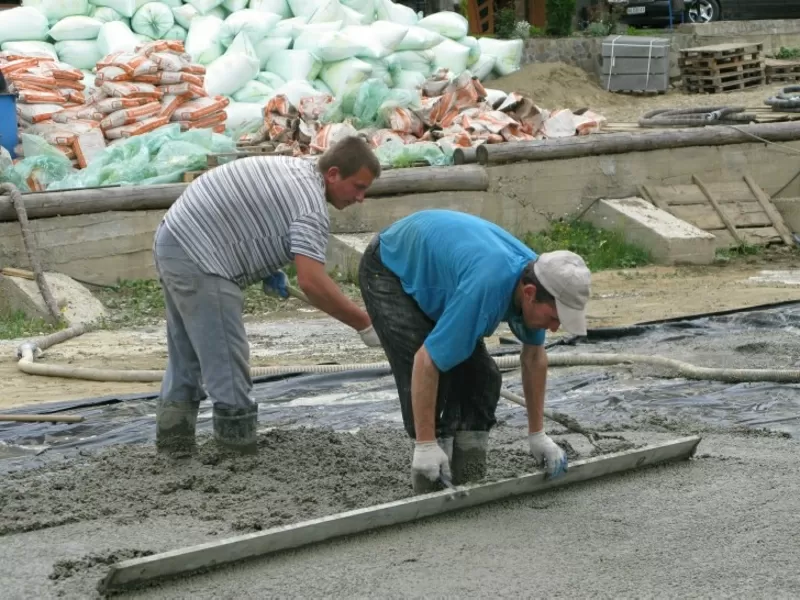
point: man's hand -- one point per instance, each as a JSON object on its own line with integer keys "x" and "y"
{"x": 548, "y": 454}
{"x": 276, "y": 284}
{"x": 430, "y": 461}
{"x": 369, "y": 337}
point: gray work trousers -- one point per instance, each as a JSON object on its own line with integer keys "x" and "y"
{"x": 206, "y": 340}
{"x": 468, "y": 393}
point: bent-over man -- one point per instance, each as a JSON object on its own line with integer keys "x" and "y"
{"x": 238, "y": 224}
{"x": 434, "y": 284}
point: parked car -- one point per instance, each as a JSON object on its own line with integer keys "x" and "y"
{"x": 656, "y": 12}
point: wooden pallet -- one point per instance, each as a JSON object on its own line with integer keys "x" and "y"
{"x": 718, "y": 87}
{"x": 735, "y": 212}
{"x": 732, "y": 68}
{"x": 722, "y": 52}
{"x": 782, "y": 70}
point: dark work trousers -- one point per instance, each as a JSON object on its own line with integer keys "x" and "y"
{"x": 468, "y": 393}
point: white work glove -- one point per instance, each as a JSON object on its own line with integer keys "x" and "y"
{"x": 430, "y": 461}
{"x": 548, "y": 454}
{"x": 369, "y": 337}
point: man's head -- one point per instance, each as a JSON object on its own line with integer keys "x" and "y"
{"x": 554, "y": 291}
{"x": 349, "y": 168}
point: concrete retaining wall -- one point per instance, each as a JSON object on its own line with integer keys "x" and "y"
{"x": 102, "y": 248}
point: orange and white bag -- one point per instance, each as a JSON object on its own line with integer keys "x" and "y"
{"x": 32, "y": 96}
{"x": 167, "y": 61}
{"x": 171, "y": 78}
{"x": 128, "y": 61}
{"x": 212, "y": 120}
{"x": 110, "y": 105}
{"x": 195, "y": 110}
{"x": 80, "y": 113}
{"x": 129, "y": 116}
{"x": 170, "y": 104}
{"x": 36, "y": 113}
{"x": 148, "y": 48}
{"x": 181, "y": 89}
{"x": 131, "y": 90}
{"x": 112, "y": 73}
{"x": 139, "y": 128}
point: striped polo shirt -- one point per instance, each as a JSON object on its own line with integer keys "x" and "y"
{"x": 248, "y": 218}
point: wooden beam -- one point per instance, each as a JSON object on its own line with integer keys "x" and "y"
{"x": 724, "y": 217}
{"x": 772, "y": 212}
{"x": 652, "y": 198}
{"x": 392, "y": 182}
{"x": 21, "y": 273}
{"x": 618, "y": 143}
{"x": 204, "y": 556}
{"x": 465, "y": 156}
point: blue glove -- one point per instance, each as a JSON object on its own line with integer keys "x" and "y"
{"x": 276, "y": 284}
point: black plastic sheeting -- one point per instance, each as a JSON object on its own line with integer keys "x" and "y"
{"x": 344, "y": 401}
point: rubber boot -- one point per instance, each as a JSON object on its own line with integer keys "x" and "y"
{"x": 421, "y": 484}
{"x": 469, "y": 456}
{"x": 175, "y": 428}
{"x": 235, "y": 428}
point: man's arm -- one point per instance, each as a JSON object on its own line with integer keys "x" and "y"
{"x": 323, "y": 293}
{"x": 534, "y": 384}
{"x": 424, "y": 387}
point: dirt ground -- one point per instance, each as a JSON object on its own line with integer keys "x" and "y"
{"x": 619, "y": 297}
{"x": 558, "y": 85}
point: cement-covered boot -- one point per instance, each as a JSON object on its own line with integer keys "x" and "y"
{"x": 235, "y": 428}
{"x": 469, "y": 456}
{"x": 175, "y": 428}
{"x": 421, "y": 484}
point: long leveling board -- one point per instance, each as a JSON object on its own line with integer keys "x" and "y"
{"x": 204, "y": 556}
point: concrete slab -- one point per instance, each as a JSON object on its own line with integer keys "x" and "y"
{"x": 790, "y": 211}
{"x": 77, "y": 303}
{"x": 344, "y": 253}
{"x": 670, "y": 240}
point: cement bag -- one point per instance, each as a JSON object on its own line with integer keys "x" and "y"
{"x": 380, "y": 70}
{"x": 474, "y": 49}
{"x": 296, "y": 90}
{"x": 55, "y": 10}
{"x": 446, "y": 23}
{"x": 365, "y": 7}
{"x": 23, "y": 24}
{"x": 172, "y": 3}
{"x": 243, "y": 114}
{"x": 204, "y": 6}
{"x": 420, "y": 61}
{"x": 270, "y": 79}
{"x": 76, "y": 28}
{"x": 233, "y": 5}
{"x": 269, "y": 46}
{"x": 254, "y": 23}
{"x": 366, "y": 40}
{"x": 116, "y": 37}
{"x": 389, "y": 34}
{"x": 328, "y": 11}
{"x": 343, "y": 74}
{"x": 322, "y": 87}
{"x": 507, "y": 53}
{"x": 176, "y": 32}
{"x": 82, "y": 54}
{"x": 317, "y": 29}
{"x": 202, "y": 39}
{"x": 126, "y": 8}
{"x": 450, "y": 55}
{"x": 254, "y": 91}
{"x": 294, "y": 64}
{"x": 154, "y": 19}
{"x": 104, "y": 14}
{"x": 278, "y": 7}
{"x": 231, "y": 71}
{"x": 31, "y": 48}
{"x": 289, "y": 27}
{"x": 419, "y": 38}
{"x": 408, "y": 80}
{"x": 386, "y": 10}
{"x": 483, "y": 67}
{"x": 331, "y": 46}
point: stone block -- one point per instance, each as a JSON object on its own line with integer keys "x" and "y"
{"x": 344, "y": 253}
{"x": 670, "y": 240}
{"x": 77, "y": 304}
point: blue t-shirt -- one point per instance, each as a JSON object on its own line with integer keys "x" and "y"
{"x": 462, "y": 271}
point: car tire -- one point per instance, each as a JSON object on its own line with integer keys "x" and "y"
{"x": 703, "y": 11}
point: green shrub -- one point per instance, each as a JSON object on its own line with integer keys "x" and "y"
{"x": 560, "y": 15}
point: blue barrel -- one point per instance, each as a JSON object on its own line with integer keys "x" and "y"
{"x": 9, "y": 136}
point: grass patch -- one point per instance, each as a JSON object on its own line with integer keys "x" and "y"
{"x": 141, "y": 302}
{"x": 19, "y": 325}
{"x": 600, "y": 248}
{"x": 745, "y": 249}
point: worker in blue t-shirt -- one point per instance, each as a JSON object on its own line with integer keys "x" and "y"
{"x": 434, "y": 284}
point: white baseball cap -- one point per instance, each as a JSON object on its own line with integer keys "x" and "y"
{"x": 567, "y": 278}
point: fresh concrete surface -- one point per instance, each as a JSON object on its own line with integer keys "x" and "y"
{"x": 721, "y": 525}
{"x": 669, "y": 239}
{"x": 77, "y": 304}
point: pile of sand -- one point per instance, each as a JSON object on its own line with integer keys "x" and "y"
{"x": 557, "y": 85}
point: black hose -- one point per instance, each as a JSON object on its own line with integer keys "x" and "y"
{"x": 695, "y": 117}
{"x": 787, "y": 100}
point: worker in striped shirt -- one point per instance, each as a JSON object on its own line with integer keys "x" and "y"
{"x": 236, "y": 225}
